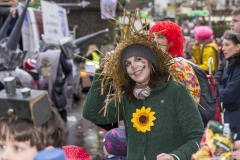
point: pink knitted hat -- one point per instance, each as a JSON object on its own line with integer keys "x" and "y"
{"x": 173, "y": 34}
{"x": 202, "y": 32}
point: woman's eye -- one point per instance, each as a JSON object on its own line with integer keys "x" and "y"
{"x": 138, "y": 59}
{"x": 18, "y": 149}
{"x": 127, "y": 64}
{"x": 2, "y": 146}
{"x": 153, "y": 38}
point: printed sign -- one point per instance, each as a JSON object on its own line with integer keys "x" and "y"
{"x": 108, "y": 8}
{"x": 55, "y": 22}
{"x": 27, "y": 34}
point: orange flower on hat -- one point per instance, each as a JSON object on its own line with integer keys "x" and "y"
{"x": 143, "y": 119}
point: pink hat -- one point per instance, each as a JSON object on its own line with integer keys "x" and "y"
{"x": 202, "y": 32}
{"x": 75, "y": 152}
{"x": 30, "y": 64}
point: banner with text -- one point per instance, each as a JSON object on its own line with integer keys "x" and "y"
{"x": 108, "y": 8}
{"x": 55, "y": 22}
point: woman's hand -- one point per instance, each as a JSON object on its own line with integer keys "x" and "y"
{"x": 105, "y": 60}
{"x": 13, "y": 10}
{"x": 49, "y": 147}
{"x": 236, "y": 154}
{"x": 196, "y": 43}
{"x": 164, "y": 156}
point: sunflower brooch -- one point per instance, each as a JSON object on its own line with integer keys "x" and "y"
{"x": 143, "y": 119}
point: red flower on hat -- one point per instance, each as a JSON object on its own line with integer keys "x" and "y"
{"x": 75, "y": 152}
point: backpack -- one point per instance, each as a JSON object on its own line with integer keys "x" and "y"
{"x": 208, "y": 102}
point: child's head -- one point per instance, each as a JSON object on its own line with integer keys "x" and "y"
{"x": 20, "y": 139}
{"x": 115, "y": 142}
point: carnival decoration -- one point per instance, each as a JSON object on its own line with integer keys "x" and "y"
{"x": 11, "y": 55}
{"x": 33, "y": 105}
{"x": 113, "y": 77}
{"x": 143, "y": 119}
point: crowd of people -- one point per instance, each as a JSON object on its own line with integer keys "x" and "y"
{"x": 151, "y": 81}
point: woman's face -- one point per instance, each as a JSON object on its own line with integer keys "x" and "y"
{"x": 229, "y": 48}
{"x": 161, "y": 40}
{"x": 189, "y": 47}
{"x": 138, "y": 69}
{"x": 13, "y": 150}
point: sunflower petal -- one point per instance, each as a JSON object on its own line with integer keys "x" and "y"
{"x": 133, "y": 120}
{"x": 143, "y": 109}
{"x": 148, "y": 128}
{"x": 134, "y": 115}
{"x": 151, "y": 124}
{"x": 143, "y": 129}
{"x": 148, "y": 110}
{"x": 152, "y": 118}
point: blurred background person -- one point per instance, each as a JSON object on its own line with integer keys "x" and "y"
{"x": 235, "y": 27}
{"x": 204, "y": 48}
{"x": 229, "y": 90}
{"x": 30, "y": 66}
{"x": 92, "y": 60}
{"x": 189, "y": 50}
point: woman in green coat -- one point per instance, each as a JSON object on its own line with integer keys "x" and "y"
{"x": 161, "y": 119}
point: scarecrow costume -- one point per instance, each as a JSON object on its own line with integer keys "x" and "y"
{"x": 166, "y": 120}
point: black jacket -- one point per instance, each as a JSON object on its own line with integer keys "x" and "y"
{"x": 218, "y": 75}
{"x": 229, "y": 90}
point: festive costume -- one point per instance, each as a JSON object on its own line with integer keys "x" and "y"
{"x": 11, "y": 57}
{"x": 177, "y": 122}
{"x": 166, "y": 121}
{"x": 175, "y": 49}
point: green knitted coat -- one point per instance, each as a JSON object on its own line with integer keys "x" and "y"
{"x": 177, "y": 129}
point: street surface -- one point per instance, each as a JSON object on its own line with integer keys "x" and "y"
{"x": 83, "y": 133}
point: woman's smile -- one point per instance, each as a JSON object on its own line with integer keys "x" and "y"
{"x": 138, "y": 72}
{"x": 138, "y": 69}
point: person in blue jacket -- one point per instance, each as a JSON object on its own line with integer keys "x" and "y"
{"x": 229, "y": 90}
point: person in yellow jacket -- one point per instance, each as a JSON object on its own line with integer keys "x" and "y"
{"x": 205, "y": 48}
{"x": 92, "y": 60}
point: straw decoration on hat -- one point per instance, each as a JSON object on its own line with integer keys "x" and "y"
{"x": 113, "y": 76}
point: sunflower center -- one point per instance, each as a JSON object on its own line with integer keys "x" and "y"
{"x": 143, "y": 119}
